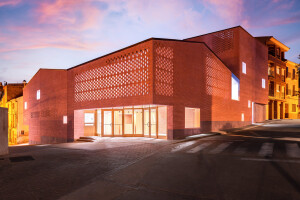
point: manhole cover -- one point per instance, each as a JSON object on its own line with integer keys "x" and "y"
{"x": 21, "y": 158}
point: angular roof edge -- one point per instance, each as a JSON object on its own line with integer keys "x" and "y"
{"x": 150, "y": 39}
{"x": 239, "y": 26}
{"x": 43, "y": 69}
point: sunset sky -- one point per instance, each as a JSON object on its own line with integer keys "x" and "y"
{"x": 63, "y": 33}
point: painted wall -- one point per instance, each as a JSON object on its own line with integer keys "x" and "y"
{"x": 3, "y": 131}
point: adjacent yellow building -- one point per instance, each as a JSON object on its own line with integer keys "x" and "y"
{"x": 11, "y": 97}
{"x": 292, "y": 95}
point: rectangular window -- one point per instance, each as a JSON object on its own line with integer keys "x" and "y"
{"x": 235, "y": 88}
{"x": 89, "y": 119}
{"x": 249, "y": 104}
{"x": 294, "y": 108}
{"x": 277, "y": 70}
{"x": 263, "y": 83}
{"x": 38, "y": 94}
{"x": 25, "y": 105}
{"x": 192, "y": 117}
{"x": 65, "y": 119}
{"x": 243, "y": 117}
{"x": 244, "y": 68}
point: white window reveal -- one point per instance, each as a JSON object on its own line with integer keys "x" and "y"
{"x": 235, "y": 88}
{"x": 244, "y": 68}
{"x": 65, "y": 119}
{"x": 25, "y": 105}
{"x": 38, "y": 94}
{"x": 243, "y": 117}
{"x": 263, "y": 83}
{"x": 249, "y": 104}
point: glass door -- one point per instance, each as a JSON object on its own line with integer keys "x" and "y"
{"x": 138, "y": 122}
{"x": 107, "y": 123}
{"x": 153, "y": 121}
{"x": 128, "y": 122}
{"x": 146, "y": 122}
{"x": 118, "y": 122}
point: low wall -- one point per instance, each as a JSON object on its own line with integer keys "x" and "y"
{"x": 3, "y": 131}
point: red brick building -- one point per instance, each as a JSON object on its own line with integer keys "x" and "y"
{"x": 158, "y": 88}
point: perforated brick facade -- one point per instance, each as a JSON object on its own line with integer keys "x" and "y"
{"x": 194, "y": 73}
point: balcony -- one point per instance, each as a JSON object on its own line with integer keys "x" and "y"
{"x": 271, "y": 73}
{"x": 283, "y": 78}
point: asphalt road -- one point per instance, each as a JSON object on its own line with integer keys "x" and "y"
{"x": 259, "y": 162}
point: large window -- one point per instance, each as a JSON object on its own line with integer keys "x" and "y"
{"x": 89, "y": 119}
{"x": 192, "y": 117}
{"x": 235, "y": 88}
{"x": 162, "y": 121}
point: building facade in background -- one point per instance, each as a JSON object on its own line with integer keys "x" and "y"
{"x": 11, "y": 97}
{"x": 283, "y": 81}
{"x": 160, "y": 88}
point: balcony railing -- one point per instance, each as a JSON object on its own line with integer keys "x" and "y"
{"x": 279, "y": 95}
{"x": 295, "y": 93}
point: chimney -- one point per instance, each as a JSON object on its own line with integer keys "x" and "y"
{"x": 24, "y": 82}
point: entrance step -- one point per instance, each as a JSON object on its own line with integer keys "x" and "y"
{"x": 86, "y": 139}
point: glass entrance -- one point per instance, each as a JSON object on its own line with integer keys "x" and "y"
{"x": 128, "y": 122}
{"x": 118, "y": 122}
{"x": 146, "y": 122}
{"x": 153, "y": 121}
{"x": 107, "y": 123}
{"x": 138, "y": 122}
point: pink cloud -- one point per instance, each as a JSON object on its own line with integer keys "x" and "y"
{"x": 9, "y": 2}
{"x": 75, "y": 14}
{"x": 230, "y": 10}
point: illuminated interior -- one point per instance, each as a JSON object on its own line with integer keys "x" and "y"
{"x": 129, "y": 121}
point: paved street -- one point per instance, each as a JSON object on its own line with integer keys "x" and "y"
{"x": 243, "y": 164}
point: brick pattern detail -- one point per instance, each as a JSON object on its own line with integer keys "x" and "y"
{"x": 123, "y": 76}
{"x": 222, "y": 41}
{"x": 217, "y": 84}
{"x": 164, "y": 71}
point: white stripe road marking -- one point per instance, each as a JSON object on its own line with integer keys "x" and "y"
{"x": 266, "y": 149}
{"x": 271, "y": 160}
{"x": 240, "y": 150}
{"x": 220, "y": 148}
{"x": 292, "y": 150}
{"x": 199, "y": 148}
{"x": 182, "y": 146}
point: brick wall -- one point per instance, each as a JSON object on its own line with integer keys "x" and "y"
{"x": 45, "y": 116}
